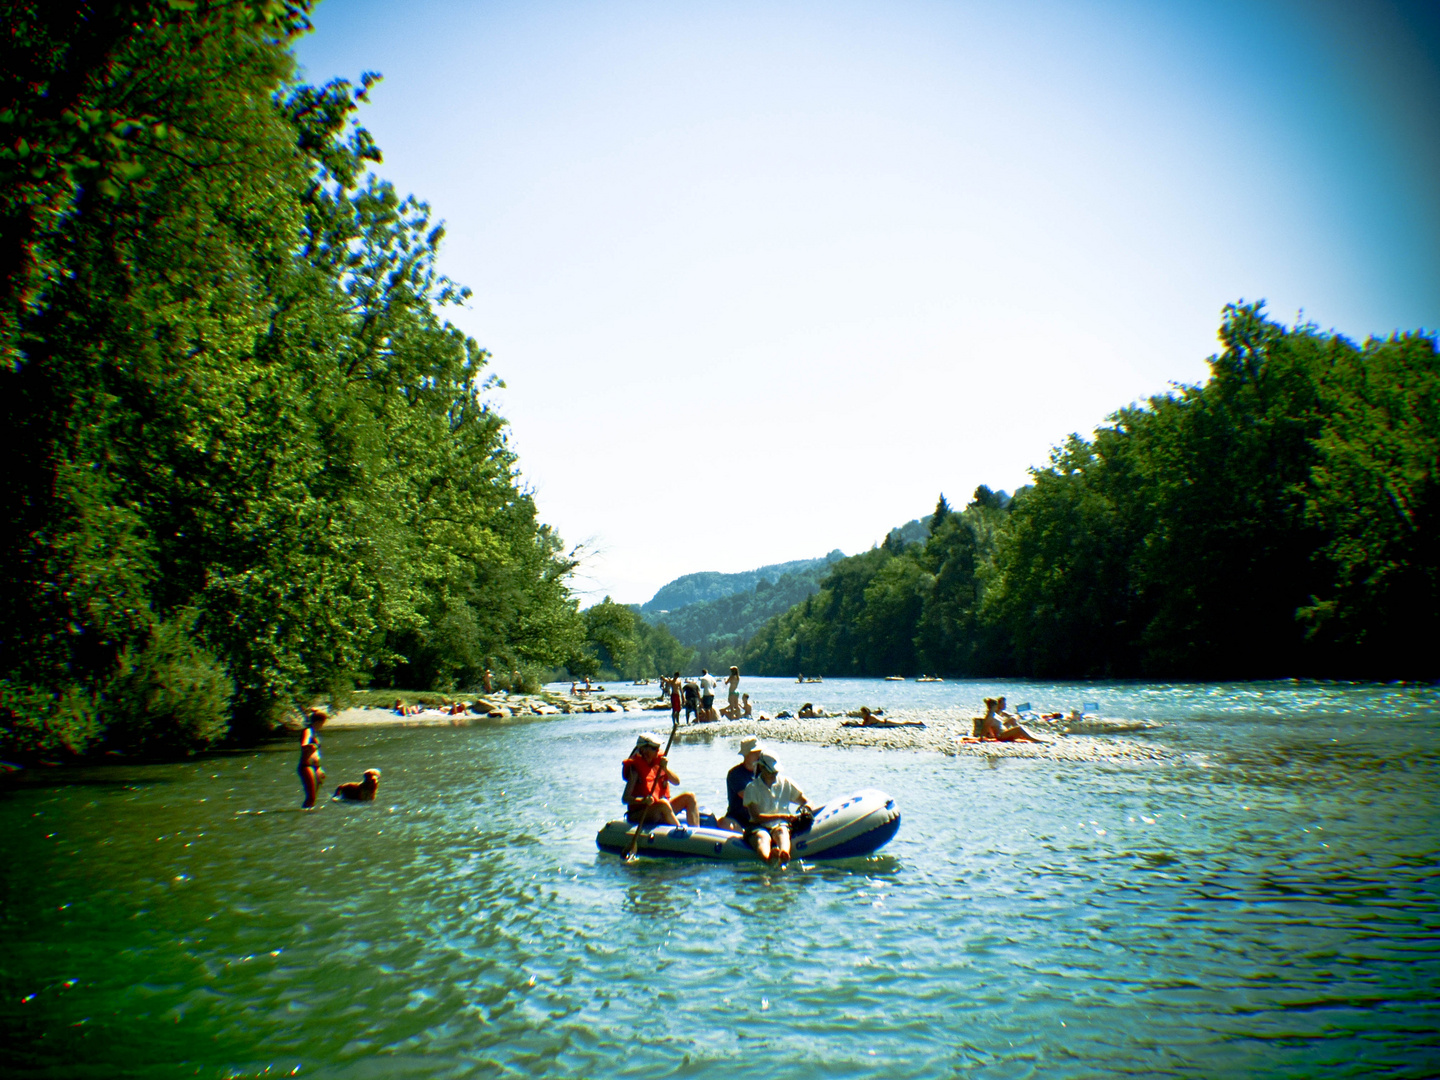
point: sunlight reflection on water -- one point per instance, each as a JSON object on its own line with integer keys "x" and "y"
{"x": 1276, "y": 912}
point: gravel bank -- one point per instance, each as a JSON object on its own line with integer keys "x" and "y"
{"x": 1094, "y": 740}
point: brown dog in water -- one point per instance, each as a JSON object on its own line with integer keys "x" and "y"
{"x": 364, "y": 791}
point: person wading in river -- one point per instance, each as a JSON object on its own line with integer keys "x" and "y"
{"x": 311, "y": 774}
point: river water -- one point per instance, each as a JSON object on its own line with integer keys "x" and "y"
{"x": 1263, "y": 901}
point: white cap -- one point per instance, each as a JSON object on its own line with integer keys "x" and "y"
{"x": 750, "y": 745}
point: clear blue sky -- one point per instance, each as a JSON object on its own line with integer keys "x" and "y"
{"x": 763, "y": 279}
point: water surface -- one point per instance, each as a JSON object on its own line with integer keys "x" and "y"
{"x": 1267, "y": 903}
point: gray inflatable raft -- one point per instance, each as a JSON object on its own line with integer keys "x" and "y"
{"x": 844, "y": 828}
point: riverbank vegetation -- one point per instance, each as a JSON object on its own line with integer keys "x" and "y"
{"x": 1279, "y": 520}
{"x": 251, "y": 462}
{"x": 620, "y": 644}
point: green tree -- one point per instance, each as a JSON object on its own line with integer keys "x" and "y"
{"x": 244, "y": 434}
{"x": 1373, "y": 493}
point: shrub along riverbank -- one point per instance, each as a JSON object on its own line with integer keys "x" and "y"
{"x": 1280, "y": 520}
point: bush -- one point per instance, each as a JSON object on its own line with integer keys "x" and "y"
{"x": 35, "y": 722}
{"x": 173, "y": 695}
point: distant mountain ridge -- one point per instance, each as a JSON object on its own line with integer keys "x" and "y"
{"x": 711, "y": 585}
{"x": 720, "y": 628}
{"x": 717, "y": 614}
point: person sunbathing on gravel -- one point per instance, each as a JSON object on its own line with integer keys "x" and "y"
{"x": 869, "y": 719}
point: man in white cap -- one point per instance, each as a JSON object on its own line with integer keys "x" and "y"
{"x": 768, "y": 799}
{"x": 648, "y": 777}
{"x": 736, "y": 816}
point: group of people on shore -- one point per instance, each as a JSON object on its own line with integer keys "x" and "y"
{"x": 697, "y": 699}
{"x": 758, "y": 797}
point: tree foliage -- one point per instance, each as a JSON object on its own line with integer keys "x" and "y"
{"x": 1279, "y": 520}
{"x": 619, "y": 643}
{"x": 243, "y": 433}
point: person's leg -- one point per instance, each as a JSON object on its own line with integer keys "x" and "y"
{"x": 311, "y": 783}
{"x": 687, "y": 803}
{"x": 760, "y": 841}
{"x": 659, "y": 813}
{"x": 782, "y": 843}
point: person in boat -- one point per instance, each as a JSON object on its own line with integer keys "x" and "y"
{"x": 809, "y": 712}
{"x": 768, "y": 799}
{"x": 732, "y": 694}
{"x": 691, "y": 693}
{"x": 647, "y": 773}
{"x": 312, "y": 775}
{"x": 737, "y": 817}
{"x": 869, "y": 719}
{"x": 745, "y": 706}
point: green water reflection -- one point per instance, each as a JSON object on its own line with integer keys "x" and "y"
{"x": 1264, "y": 904}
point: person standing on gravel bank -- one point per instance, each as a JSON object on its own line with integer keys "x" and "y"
{"x": 732, "y": 684}
{"x": 674, "y": 684}
{"x": 707, "y": 691}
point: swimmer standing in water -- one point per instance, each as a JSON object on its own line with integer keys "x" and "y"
{"x": 312, "y": 775}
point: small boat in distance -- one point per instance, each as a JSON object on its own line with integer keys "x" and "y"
{"x": 929, "y": 678}
{"x": 812, "y": 678}
{"x": 894, "y": 678}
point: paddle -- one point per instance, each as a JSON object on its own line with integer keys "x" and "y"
{"x": 650, "y": 799}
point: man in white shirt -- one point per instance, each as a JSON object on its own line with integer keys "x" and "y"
{"x": 707, "y": 692}
{"x": 768, "y": 798}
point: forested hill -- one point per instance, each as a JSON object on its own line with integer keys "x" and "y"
{"x": 1283, "y": 519}
{"x": 718, "y": 628}
{"x": 252, "y": 463}
{"x": 710, "y": 585}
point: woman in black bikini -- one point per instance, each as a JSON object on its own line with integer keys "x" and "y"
{"x": 312, "y": 775}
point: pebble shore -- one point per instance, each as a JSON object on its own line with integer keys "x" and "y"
{"x": 943, "y": 731}
{"x": 1093, "y": 739}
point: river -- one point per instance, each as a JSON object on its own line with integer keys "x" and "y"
{"x": 1264, "y": 900}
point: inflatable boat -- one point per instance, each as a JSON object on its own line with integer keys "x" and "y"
{"x": 844, "y": 828}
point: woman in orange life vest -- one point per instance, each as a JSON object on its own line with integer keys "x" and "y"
{"x": 646, "y": 773}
